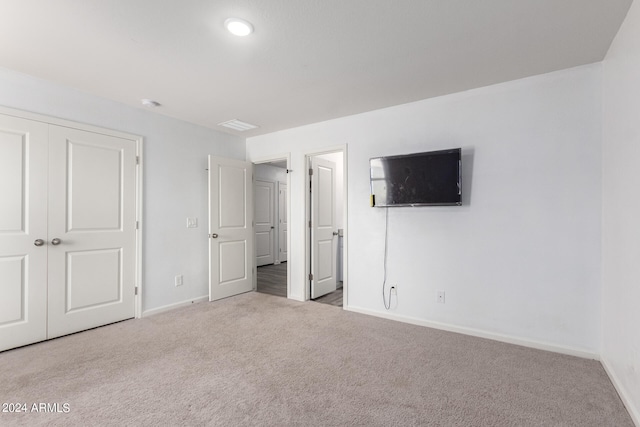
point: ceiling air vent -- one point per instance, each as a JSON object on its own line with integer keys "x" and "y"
{"x": 236, "y": 124}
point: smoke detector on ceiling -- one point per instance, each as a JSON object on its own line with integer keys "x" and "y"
{"x": 150, "y": 103}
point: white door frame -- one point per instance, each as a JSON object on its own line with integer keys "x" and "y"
{"x": 139, "y": 143}
{"x": 270, "y": 159}
{"x": 307, "y": 199}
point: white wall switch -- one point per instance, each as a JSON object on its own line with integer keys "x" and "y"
{"x": 178, "y": 280}
{"x": 440, "y": 297}
{"x": 192, "y": 222}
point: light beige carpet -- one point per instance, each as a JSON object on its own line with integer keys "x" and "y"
{"x": 261, "y": 360}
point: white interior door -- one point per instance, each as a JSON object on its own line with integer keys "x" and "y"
{"x": 283, "y": 225}
{"x": 264, "y": 218}
{"x": 92, "y": 230}
{"x": 323, "y": 227}
{"x": 230, "y": 227}
{"x": 23, "y": 226}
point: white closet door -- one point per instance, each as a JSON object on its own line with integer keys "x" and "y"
{"x": 92, "y": 213}
{"x": 23, "y": 220}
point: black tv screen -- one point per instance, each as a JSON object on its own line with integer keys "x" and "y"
{"x": 421, "y": 179}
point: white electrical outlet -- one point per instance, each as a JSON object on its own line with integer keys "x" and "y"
{"x": 440, "y": 297}
{"x": 178, "y": 280}
{"x": 192, "y": 222}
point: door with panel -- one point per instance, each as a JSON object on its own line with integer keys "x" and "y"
{"x": 92, "y": 229}
{"x": 231, "y": 255}
{"x": 264, "y": 219}
{"x": 323, "y": 228}
{"x": 23, "y": 232}
{"x": 67, "y": 230}
{"x": 282, "y": 222}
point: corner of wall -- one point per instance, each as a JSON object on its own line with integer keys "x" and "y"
{"x": 633, "y": 410}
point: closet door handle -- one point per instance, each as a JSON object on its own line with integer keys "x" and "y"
{"x": 56, "y": 241}
{"x": 38, "y": 242}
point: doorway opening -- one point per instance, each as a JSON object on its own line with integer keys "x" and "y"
{"x": 326, "y": 217}
{"x": 271, "y": 226}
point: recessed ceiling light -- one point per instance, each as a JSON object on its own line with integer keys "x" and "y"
{"x": 150, "y": 103}
{"x": 238, "y": 27}
{"x": 238, "y": 125}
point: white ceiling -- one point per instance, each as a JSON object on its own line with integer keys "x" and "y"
{"x": 307, "y": 61}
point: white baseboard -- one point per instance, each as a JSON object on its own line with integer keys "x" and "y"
{"x": 634, "y": 411}
{"x": 173, "y": 306}
{"x": 480, "y": 333}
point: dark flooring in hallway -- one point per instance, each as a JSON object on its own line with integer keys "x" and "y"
{"x": 272, "y": 280}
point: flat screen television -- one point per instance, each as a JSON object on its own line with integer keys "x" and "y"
{"x": 422, "y": 179}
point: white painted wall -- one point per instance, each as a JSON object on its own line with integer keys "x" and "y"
{"x": 621, "y": 212}
{"x": 175, "y": 179}
{"x": 521, "y": 258}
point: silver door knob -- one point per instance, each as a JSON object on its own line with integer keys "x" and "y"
{"x": 214, "y": 236}
{"x": 56, "y": 241}
{"x": 38, "y": 242}
{"x": 335, "y": 233}
{"x": 272, "y": 227}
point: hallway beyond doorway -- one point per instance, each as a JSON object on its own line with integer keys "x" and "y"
{"x": 272, "y": 280}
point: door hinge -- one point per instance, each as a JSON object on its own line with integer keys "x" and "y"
{"x": 137, "y": 160}
{"x": 310, "y": 171}
{"x": 310, "y": 276}
{"x": 137, "y": 225}
{"x": 309, "y": 223}
{"x": 136, "y": 291}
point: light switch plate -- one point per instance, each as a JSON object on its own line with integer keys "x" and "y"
{"x": 192, "y": 222}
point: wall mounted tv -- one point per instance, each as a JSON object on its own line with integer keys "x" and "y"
{"x": 421, "y": 179}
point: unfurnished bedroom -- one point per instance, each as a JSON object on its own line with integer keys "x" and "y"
{"x": 285, "y": 213}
